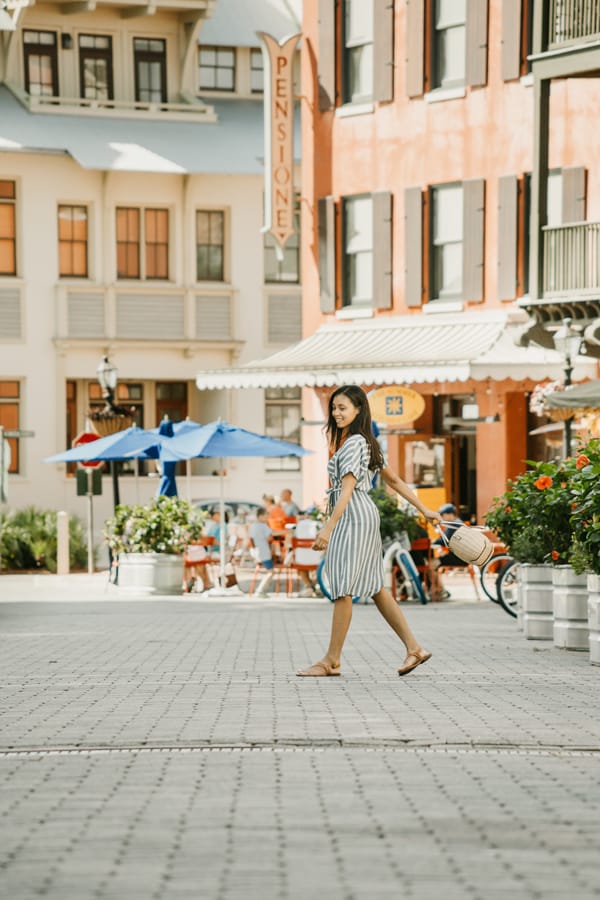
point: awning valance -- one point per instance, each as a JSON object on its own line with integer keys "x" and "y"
{"x": 417, "y": 349}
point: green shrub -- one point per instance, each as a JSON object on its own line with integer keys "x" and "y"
{"x": 166, "y": 525}
{"x": 28, "y": 540}
{"x": 395, "y": 519}
{"x": 585, "y": 509}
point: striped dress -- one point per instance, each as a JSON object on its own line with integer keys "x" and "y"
{"x": 354, "y": 559}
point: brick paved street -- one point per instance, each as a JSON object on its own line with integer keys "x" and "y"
{"x": 164, "y": 749}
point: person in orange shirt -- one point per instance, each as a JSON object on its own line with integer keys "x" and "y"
{"x": 275, "y": 514}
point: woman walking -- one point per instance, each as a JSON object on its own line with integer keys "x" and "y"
{"x": 351, "y": 536}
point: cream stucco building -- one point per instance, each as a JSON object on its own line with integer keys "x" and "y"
{"x": 131, "y": 194}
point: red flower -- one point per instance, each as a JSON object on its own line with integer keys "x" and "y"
{"x": 563, "y": 484}
{"x": 555, "y": 554}
{"x": 508, "y": 509}
{"x": 573, "y": 506}
{"x": 543, "y": 482}
{"x": 582, "y": 461}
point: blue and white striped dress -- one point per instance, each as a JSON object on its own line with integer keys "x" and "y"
{"x": 354, "y": 559}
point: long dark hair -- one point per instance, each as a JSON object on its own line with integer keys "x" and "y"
{"x": 361, "y": 425}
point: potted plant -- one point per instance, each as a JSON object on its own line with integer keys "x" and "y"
{"x": 532, "y": 518}
{"x": 149, "y": 543}
{"x": 585, "y": 522}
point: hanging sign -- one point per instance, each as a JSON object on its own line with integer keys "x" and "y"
{"x": 279, "y": 136}
{"x": 396, "y": 405}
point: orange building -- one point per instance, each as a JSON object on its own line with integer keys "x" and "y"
{"x": 450, "y": 208}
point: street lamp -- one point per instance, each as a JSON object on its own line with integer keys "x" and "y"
{"x": 108, "y": 376}
{"x": 567, "y": 341}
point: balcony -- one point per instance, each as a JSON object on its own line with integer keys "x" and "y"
{"x": 572, "y": 22}
{"x": 163, "y": 315}
{"x": 572, "y": 261}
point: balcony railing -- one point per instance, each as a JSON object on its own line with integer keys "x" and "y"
{"x": 572, "y": 260}
{"x": 572, "y": 21}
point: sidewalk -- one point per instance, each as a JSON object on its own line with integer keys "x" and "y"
{"x": 166, "y": 750}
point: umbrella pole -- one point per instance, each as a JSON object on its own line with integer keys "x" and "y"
{"x": 137, "y": 480}
{"x": 223, "y": 525}
{"x": 188, "y": 478}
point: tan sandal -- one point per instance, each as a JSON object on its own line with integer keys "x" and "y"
{"x": 319, "y": 670}
{"x": 413, "y": 660}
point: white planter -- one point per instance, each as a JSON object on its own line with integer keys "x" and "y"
{"x": 570, "y": 599}
{"x": 151, "y": 573}
{"x": 593, "y": 586}
{"x": 535, "y": 594}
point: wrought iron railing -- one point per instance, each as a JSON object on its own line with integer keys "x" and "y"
{"x": 570, "y": 21}
{"x": 572, "y": 259}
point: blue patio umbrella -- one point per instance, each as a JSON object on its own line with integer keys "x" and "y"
{"x": 127, "y": 444}
{"x": 220, "y": 439}
{"x": 168, "y": 485}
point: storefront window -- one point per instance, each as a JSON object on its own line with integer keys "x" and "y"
{"x": 424, "y": 463}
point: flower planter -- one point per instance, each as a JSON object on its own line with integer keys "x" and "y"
{"x": 151, "y": 573}
{"x": 536, "y": 603}
{"x": 593, "y": 586}
{"x": 570, "y": 600}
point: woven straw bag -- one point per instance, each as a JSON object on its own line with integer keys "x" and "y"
{"x": 471, "y": 545}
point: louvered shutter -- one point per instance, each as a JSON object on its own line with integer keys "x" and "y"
{"x": 473, "y": 239}
{"x": 415, "y": 47}
{"x": 507, "y": 237}
{"x": 326, "y": 61}
{"x": 327, "y": 254}
{"x": 382, "y": 250}
{"x": 284, "y": 318}
{"x": 573, "y": 194}
{"x": 383, "y": 50}
{"x": 413, "y": 246}
{"x": 511, "y": 39}
{"x": 477, "y": 42}
{"x": 10, "y": 313}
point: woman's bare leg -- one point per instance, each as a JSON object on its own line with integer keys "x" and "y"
{"x": 394, "y": 616}
{"x": 342, "y": 616}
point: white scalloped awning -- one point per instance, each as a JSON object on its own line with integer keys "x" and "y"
{"x": 417, "y": 349}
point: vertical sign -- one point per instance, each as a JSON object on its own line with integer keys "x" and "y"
{"x": 279, "y": 136}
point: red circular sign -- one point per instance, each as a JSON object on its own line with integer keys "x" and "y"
{"x": 86, "y": 437}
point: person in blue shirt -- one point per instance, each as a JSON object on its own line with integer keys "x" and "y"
{"x": 262, "y": 536}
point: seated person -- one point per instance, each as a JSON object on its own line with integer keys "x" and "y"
{"x": 450, "y": 523}
{"x": 290, "y": 507}
{"x": 262, "y": 537}
{"x": 212, "y": 528}
{"x": 275, "y": 514}
{"x": 306, "y": 529}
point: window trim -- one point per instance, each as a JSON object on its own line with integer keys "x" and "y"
{"x": 150, "y": 56}
{"x": 434, "y": 74}
{"x": 360, "y": 99}
{"x": 224, "y": 246}
{"x": 15, "y": 443}
{"x": 73, "y": 206}
{"x": 142, "y": 245}
{"x": 433, "y": 295}
{"x": 219, "y": 90}
{"x": 52, "y": 52}
{"x": 96, "y": 53}
{"x": 12, "y": 203}
{"x": 274, "y": 464}
{"x": 253, "y": 52}
{"x": 346, "y": 300}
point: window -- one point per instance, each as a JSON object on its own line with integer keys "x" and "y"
{"x": 447, "y": 242}
{"x": 155, "y": 237}
{"x": 131, "y": 396}
{"x": 72, "y": 241}
{"x": 150, "y": 63}
{"x": 449, "y": 43}
{"x": 216, "y": 69}
{"x": 283, "y": 265}
{"x": 95, "y": 67}
{"x": 171, "y": 400}
{"x": 357, "y": 63}
{"x": 357, "y": 272}
{"x": 257, "y": 71}
{"x": 210, "y": 249}
{"x": 41, "y": 63}
{"x": 8, "y": 240}
{"x": 10, "y": 393}
{"x": 282, "y": 421}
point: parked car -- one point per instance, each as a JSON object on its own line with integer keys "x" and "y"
{"x": 235, "y": 510}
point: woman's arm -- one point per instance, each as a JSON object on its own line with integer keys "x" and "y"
{"x": 348, "y": 485}
{"x": 396, "y": 483}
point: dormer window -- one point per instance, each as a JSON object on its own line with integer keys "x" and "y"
{"x": 95, "y": 67}
{"x": 216, "y": 69}
{"x": 41, "y": 63}
{"x": 150, "y": 62}
{"x": 257, "y": 72}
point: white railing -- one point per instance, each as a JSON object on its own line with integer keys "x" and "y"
{"x": 571, "y": 21}
{"x": 572, "y": 259}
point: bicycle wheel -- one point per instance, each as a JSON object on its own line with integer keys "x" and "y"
{"x": 489, "y": 574}
{"x": 508, "y": 588}
{"x": 323, "y": 583}
{"x": 411, "y": 575}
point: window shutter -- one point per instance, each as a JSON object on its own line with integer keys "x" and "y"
{"x": 473, "y": 239}
{"x": 413, "y": 246}
{"x": 327, "y": 254}
{"x": 382, "y": 250}
{"x": 383, "y": 50}
{"x": 415, "y": 47}
{"x": 511, "y": 39}
{"x": 573, "y": 194}
{"x": 10, "y": 313}
{"x": 507, "y": 237}
{"x": 326, "y": 62}
{"x": 477, "y": 42}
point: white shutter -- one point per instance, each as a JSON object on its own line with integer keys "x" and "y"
{"x": 85, "y": 315}
{"x": 145, "y": 316}
{"x": 10, "y": 313}
{"x": 213, "y": 317}
{"x": 284, "y": 318}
